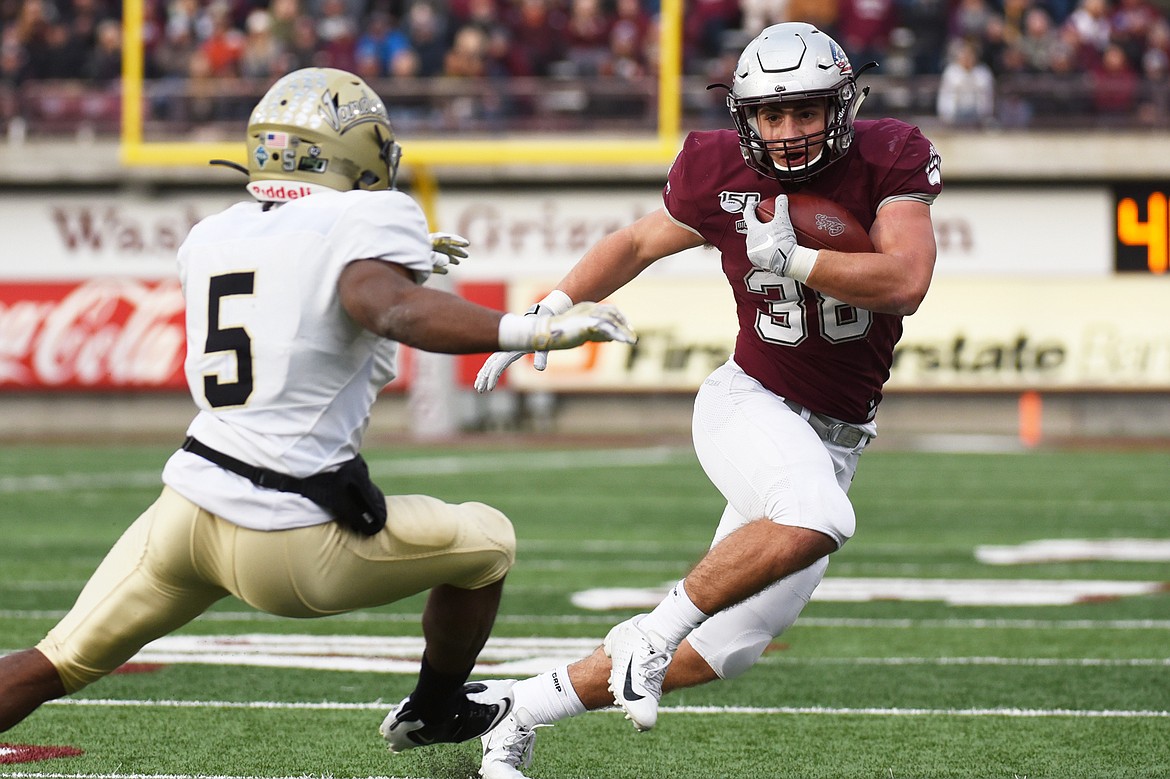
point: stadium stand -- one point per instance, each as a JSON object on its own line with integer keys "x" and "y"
{"x": 540, "y": 65}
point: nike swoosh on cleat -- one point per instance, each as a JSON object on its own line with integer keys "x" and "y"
{"x": 420, "y": 739}
{"x": 628, "y": 693}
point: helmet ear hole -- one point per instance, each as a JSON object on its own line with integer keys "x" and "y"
{"x": 390, "y": 153}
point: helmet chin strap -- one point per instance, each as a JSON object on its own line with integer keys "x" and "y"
{"x": 864, "y": 93}
{"x": 229, "y": 164}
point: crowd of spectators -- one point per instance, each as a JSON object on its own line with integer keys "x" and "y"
{"x": 1114, "y": 53}
{"x": 1109, "y": 56}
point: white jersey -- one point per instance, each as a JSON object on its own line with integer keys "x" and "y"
{"x": 282, "y": 375}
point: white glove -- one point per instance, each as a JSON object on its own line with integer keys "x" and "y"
{"x": 555, "y": 302}
{"x": 447, "y": 249}
{"x": 772, "y": 246}
{"x": 583, "y": 322}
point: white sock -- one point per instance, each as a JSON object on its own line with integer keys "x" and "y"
{"x": 547, "y": 698}
{"x": 674, "y": 618}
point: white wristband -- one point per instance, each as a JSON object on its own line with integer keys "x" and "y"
{"x": 800, "y": 263}
{"x": 557, "y": 302}
{"x": 516, "y": 332}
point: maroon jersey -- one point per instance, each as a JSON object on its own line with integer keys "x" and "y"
{"x": 830, "y": 357}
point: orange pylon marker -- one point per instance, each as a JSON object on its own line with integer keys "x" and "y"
{"x": 1031, "y": 417}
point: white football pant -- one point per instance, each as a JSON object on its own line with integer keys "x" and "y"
{"x": 767, "y": 461}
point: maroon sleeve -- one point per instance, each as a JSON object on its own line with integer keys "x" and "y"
{"x": 676, "y": 195}
{"x": 901, "y": 160}
{"x": 704, "y": 181}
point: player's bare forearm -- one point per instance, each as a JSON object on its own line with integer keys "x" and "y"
{"x": 882, "y": 283}
{"x": 619, "y": 257}
{"x": 384, "y": 299}
{"x": 894, "y": 280}
{"x": 606, "y": 267}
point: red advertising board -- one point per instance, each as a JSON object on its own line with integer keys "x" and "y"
{"x": 115, "y": 333}
{"x": 125, "y": 334}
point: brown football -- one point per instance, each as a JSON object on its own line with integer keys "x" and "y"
{"x": 820, "y": 223}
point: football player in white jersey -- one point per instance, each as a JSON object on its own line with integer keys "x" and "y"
{"x": 295, "y": 306}
{"x": 780, "y": 427}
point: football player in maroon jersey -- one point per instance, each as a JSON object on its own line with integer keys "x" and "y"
{"x": 778, "y": 428}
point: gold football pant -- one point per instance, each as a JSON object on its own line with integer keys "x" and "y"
{"x": 176, "y": 560}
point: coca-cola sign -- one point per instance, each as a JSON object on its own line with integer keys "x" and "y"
{"x": 115, "y": 333}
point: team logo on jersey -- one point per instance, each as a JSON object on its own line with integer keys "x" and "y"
{"x": 738, "y": 202}
{"x": 934, "y": 167}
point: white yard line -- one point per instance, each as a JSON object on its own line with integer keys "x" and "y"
{"x": 955, "y": 592}
{"x": 1039, "y": 662}
{"x": 1053, "y": 550}
{"x": 422, "y": 466}
{"x": 502, "y": 657}
{"x": 880, "y": 623}
{"x": 46, "y": 775}
{"x": 988, "y": 624}
{"x": 811, "y": 710}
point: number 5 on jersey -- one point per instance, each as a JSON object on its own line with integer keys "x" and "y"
{"x": 228, "y": 339}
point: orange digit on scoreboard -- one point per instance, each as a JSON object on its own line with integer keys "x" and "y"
{"x": 1154, "y": 233}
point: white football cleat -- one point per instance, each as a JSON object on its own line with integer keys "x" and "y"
{"x": 484, "y": 705}
{"x": 639, "y": 662}
{"x": 508, "y": 748}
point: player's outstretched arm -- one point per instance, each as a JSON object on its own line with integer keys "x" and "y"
{"x": 556, "y": 302}
{"x": 383, "y": 298}
{"x": 609, "y": 265}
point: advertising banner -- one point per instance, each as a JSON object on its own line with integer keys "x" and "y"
{"x": 72, "y": 236}
{"x": 970, "y": 334}
{"x": 981, "y": 232}
{"x": 1034, "y": 288}
{"x": 128, "y": 334}
{"x": 115, "y": 333}
{"x": 542, "y": 232}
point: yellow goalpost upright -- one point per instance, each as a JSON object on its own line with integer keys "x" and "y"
{"x": 431, "y": 407}
{"x": 137, "y": 150}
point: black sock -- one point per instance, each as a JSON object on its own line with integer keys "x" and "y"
{"x": 435, "y": 692}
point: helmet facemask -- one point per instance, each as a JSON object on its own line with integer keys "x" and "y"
{"x": 788, "y": 63}
{"x": 320, "y": 129}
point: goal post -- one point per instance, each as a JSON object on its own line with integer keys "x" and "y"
{"x": 661, "y": 146}
{"x": 432, "y": 401}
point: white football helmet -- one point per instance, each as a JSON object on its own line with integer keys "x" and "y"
{"x": 788, "y": 62}
{"x": 320, "y": 128}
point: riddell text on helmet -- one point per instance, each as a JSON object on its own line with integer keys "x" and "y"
{"x": 279, "y": 191}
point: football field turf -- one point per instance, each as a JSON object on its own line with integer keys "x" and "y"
{"x": 961, "y": 633}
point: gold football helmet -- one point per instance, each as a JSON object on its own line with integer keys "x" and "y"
{"x": 320, "y": 128}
